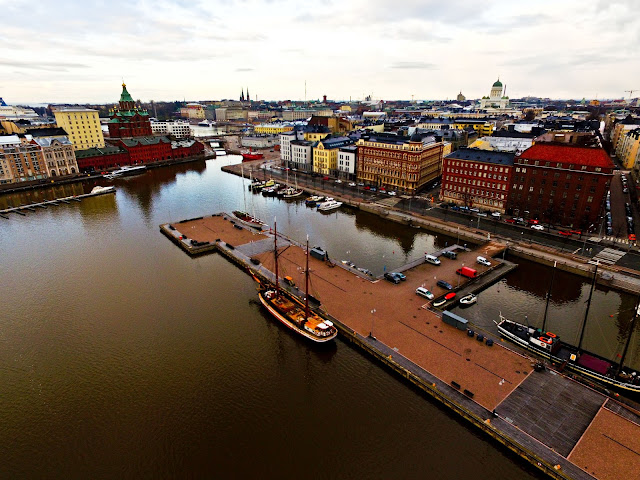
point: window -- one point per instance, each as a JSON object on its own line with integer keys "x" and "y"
{"x": 589, "y": 200}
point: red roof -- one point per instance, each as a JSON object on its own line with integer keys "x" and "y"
{"x": 567, "y": 154}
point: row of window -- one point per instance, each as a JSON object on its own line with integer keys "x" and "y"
{"x": 557, "y": 165}
{"x": 476, "y": 166}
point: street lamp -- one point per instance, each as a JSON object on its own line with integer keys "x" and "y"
{"x": 373, "y": 318}
{"x": 459, "y": 277}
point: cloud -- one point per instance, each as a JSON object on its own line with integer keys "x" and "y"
{"x": 245, "y": 69}
{"x": 38, "y": 65}
{"x": 414, "y": 65}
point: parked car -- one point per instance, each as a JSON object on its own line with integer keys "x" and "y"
{"x": 533, "y": 221}
{"x": 537, "y": 227}
{"x": 481, "y": 214}
{"x": 392, "y": 193}
{"x": 423, "y": 292}
{"x": 450, "y": 254}
{"x": 509, "y": 220}
{"x": 338, "y": 181}
{"x": 632, "y": 237}
{"x": 576, "y": 232}
{"x": 401, "y": 276}
{"x": 392, "y": 277}
{"x": 495, "y": 214}
{"x": 476, "y": 210}
{"x": 352, "y": 184}
{"x": 432, "y": 259}
{"x": 445, "y": 285}
{"x": 564, "y": 233}
{"x": 483, "y": 261}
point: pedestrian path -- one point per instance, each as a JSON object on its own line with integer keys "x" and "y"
{"x": 609, "y": 256}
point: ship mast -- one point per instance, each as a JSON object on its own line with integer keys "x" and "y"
{"x": 306, "y": 285}
{"x": 626, "y": 347}
{"x": 546, "y": 308}
{"x": 584, "y": 324}
{"x": 275, "y": 252}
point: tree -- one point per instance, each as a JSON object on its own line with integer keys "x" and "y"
{"x": 529, "y": 115}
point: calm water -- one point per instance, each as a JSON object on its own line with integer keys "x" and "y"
{"x": 122, "y": 357}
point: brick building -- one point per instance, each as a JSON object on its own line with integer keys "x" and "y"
{"x": 398, "y": 162}
{"x": 127, "y": 120}
{"x": 477, "y": 178}
{"x": 560, "y": 183}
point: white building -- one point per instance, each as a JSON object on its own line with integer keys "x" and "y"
{"x": 347, "y": 161}
{"x": 495, "y": 100}
{"x": 177, "y": 129}
{"x": 285, "y": 145}
{"x": 260, "y": 141}
{"x": 503, "y": 144}
{"x": 302, "y": 155}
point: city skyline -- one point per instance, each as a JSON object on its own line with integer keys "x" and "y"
{"x": 174, "y": 50}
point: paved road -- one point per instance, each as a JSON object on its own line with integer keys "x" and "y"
{"x": 588, "y": 246}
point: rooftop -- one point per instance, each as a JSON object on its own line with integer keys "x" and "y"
{"x": 568, "y": 154}
{"x": 484, "y": 156}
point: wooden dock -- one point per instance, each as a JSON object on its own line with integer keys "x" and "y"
{"x": 20, "y": 210}
{"x": 560, "y": 426}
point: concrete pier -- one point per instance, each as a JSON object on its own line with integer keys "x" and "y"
{"x": 560, "y": 426}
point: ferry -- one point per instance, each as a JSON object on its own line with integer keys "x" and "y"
{"x": 127, "y": 171}
{"x": 587, "y": 365}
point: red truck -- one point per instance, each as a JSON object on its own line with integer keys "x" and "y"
{"x": 467, "y": 272}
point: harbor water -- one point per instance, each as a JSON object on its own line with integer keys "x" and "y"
{"x": 123, "y": 357}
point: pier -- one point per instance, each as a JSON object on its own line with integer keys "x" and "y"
{"x": 562, "y": 427}
{"x": 19, "y": 210}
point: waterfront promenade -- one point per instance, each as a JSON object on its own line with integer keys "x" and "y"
{"x": 555, "y": 423}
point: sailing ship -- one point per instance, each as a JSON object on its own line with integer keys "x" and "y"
{"x": 291, "y": 311}
{"x": 244, "y": 217}
{"x": 586, "y": 364}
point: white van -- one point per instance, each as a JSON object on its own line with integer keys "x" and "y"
{"x": 483, "y": 261}
{"x": 432, "y": 259}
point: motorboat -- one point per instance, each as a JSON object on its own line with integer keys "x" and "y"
{"x": 468, "y": 300}
{"x": 329, "y": 205}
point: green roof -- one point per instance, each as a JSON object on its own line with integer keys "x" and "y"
{"x": 125, "y": 97}
{"x": 498, "y": 83}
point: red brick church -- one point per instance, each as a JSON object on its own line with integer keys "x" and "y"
{"x": 127, "y": 120}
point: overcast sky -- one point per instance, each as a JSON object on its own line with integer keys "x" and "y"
{"x": 79, "y": 51}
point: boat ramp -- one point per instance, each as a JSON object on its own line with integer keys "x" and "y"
{"x": 562, "y": 427}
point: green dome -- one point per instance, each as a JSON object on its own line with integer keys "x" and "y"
{"x": 498, "y": 83}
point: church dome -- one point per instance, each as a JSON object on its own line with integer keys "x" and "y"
{"x": 416, "y": 137}
{"x": 498, "y": 83}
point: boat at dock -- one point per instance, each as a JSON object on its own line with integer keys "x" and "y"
{"x": 127, "y": 171}
{"x": 248, "y": 219}
{"x": 292, "y": 192}
{"x": 291, "y": 311}
{"x": 98, "y": 190}
{"x": 329, "y": 205}
{"x": 248, "y": 156}
{"x": 313, "y": 200}
{"x": 586, "y": 364}
{"x": 468, "y": 300}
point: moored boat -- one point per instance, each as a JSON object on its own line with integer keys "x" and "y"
{"x": 588, "y": 365}
{"x": 98, "y": 190}
{"x": 247, "y": 156}
{"x": 292, "y": 192}
{"x": 329, "y": 205}
{"x": 468, "y": 300}
{"x": 127, "y": 171}
{"x": 313, "y": 200}
{"x": 291, "y": 311}
{"x": 248, "y": 219}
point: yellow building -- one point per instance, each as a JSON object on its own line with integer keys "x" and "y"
{"x": 325, "y": 155}
{"x": 193, "y": 111}
{"x": 83, "y": 127}
{"x": 315, "y": 136}
{"x": 483, "y": 128}
{"x": 272, "y": 128}
{"x": 628, "y": 148}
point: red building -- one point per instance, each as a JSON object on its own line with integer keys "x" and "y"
{"x": 101, "y": 159}
{"x": 145, "y": 149}
{"x": 128, "y": 120}
{"x": 477, "y": 178}
{"x": 561, "y": 184}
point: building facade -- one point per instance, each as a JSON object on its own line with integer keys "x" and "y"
{"x": 82, "y": 126}
{"x": 177, "y": 129}
{"x": 58, "y": 155}
{"x": 302, "y": 155}
{"x": 193, "y": 111}
{"x": 561, "y": 184}
{"x": 127, "y": 120}
{"x": 272, "y": 128}
{"x": 496, "y": 99}
{"x": 347, "y": 161}
{"x": 398, "y": 163}
{"x": 628, "y": 148}
{"x": 21, "y": 162}
{"x": 325, "y": 155}
{"x": 477, "y": 178}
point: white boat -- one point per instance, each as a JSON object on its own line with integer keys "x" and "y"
{"x": 127, "y": 171}
{"x": 329, "y": 205}
{"x": 468, "y": 299}
{"x": 101, "y": 190}
{"x": 220, "y": 152}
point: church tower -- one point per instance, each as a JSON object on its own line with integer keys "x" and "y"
{"x": 248, "y": 98}
{"x": 242, "y": 96}
{"x": 127, "y": 120}
{"x": 496, "y": 90}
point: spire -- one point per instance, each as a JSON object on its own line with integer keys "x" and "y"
{"x": 242, "y": 96}
{"x": 248, "y": 98}
{"x": 125, "y": 96}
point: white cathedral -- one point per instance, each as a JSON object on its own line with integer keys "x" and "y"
{"x": 496, "y": 100}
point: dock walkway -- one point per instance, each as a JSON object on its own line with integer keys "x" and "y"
{"x": 562, "y": 427}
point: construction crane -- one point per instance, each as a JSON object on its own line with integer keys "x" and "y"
{"x": 630, "y": 92}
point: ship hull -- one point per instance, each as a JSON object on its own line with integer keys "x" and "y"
{"x": 289, "y": 324}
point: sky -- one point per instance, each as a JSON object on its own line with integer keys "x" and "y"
{"x": 80, "y": 51}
